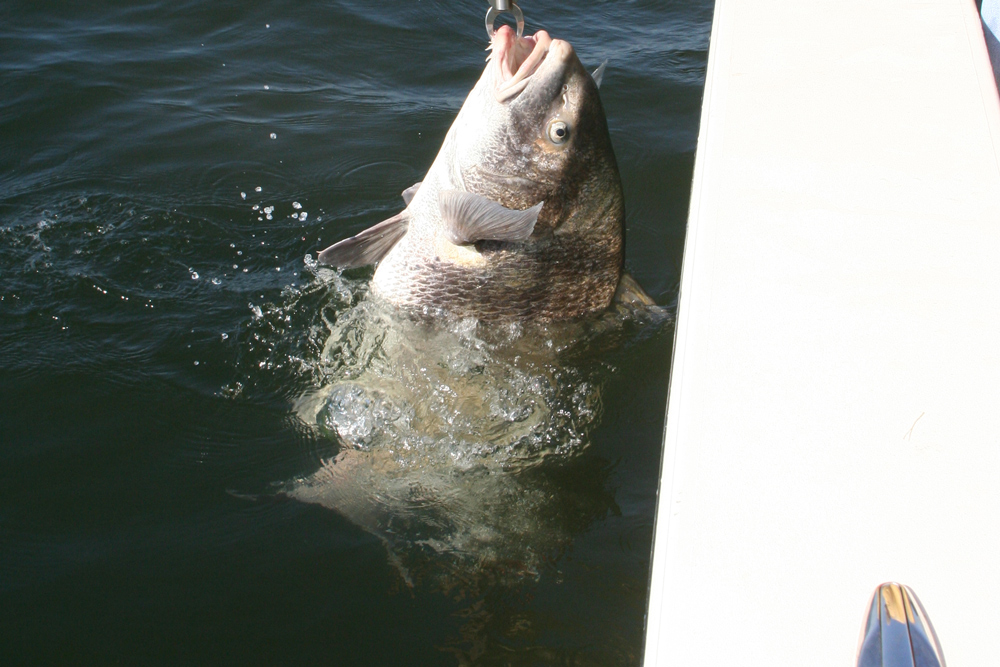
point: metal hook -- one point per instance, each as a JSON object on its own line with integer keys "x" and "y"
{"x": 498, "y": 7}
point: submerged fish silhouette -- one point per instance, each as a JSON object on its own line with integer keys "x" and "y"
{"x": 454, "y": 443}
{"x": 521, "y": 215}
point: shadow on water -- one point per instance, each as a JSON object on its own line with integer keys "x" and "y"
{"x": 464, "y": 447}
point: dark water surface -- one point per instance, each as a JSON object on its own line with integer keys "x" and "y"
{"x": 176, "y": 379}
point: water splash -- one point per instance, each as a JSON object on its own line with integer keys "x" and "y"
{"x": 448, "y": 438}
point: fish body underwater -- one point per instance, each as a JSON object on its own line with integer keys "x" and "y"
{"x": 521, "y": 215}
{"x": 454, "y": 442}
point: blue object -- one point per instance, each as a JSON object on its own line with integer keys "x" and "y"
{"x": 990, "y": 13}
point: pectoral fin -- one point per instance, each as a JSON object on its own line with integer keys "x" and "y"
{"x": 409, "y": 192}
{"x": 631, "y": 300}
{"x": 367, "y": 247}
{"x": 469, "y": 218}
{"x": 630, "y": 292}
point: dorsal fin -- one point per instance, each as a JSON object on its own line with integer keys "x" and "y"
{"x": 469, "y": 218}
{"x": 409, "y": 192}
{"x": 369, "y": 246}
{"x": 599, "y": 73}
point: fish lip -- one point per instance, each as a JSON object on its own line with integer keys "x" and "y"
{"x": 516, "y": 60}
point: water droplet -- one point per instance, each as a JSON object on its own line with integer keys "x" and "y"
{"x": 267, "y": 87}
{"x": 257, "y": 189}
{"x": 274, "y": 136}
{"x": 194, "y": 275}
{"x": 296, "y": 205}
{"x": 196, "y": 363}
{"x": 303, "y": 215}
{"x": 243, "y": 195}
{"x": 225, "y": 336}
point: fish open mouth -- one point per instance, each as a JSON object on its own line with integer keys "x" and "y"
{"x": 516, "y": 59}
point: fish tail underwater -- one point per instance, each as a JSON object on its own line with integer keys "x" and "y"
{"x": 217, "y": 448}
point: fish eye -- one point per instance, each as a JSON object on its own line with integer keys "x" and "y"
{"x": 558, "y": 132}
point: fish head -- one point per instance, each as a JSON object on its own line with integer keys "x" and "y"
{"x": 535, "y": 130}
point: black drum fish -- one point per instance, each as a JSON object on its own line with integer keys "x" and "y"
{"x": 521, "y": 216}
